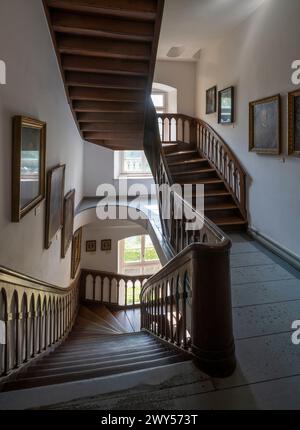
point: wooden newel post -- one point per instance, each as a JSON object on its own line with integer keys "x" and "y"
{"x": 212, "y": 330}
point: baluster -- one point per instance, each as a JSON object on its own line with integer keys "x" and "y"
{"x": 167, "y": 329}
{"x": 171, "y": 311}
{"x": 162, "y": 316}
{"x": 118, "y": 291}
{"x": 184, "y": 297}
{"x": 110, "y": 290}
{"x": 102, "y": 288}
{"x": 94, "y": 287}
{"x": 133, "y": 292}
{"x": 177, "y": 313}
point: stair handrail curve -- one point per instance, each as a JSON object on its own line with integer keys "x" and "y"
{"x": 112, "y": 289}
{"x": 35, "y": 316}
{"x": 188, "y": 302}
{"x": 198, "y": 133}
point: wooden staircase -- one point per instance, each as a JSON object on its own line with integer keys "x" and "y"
{"x": 187, "y": 166}
{"x": 106, "y": 51}
{"x": 100, "y": 345}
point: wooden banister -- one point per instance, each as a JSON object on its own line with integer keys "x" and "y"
{"x": 188, "y": 302}
{"x": 114, "y": 289}
{"x": 36, "y": 317}
{"x": 196, "y": 133}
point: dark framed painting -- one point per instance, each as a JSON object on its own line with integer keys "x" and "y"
{"x": 265, "y": 126}
{"x": 68, "y": 222}
{"x": 28, "y": 165}
{"x": 54, "y": 202}
{"x": 91, "y": 246}
{"x": 106, "y": 245}
{"x": 76, "y": 252}
{"x": 226, "y": 106}
{"x": 211, "y": 100}
{"x": 294, "y": 123}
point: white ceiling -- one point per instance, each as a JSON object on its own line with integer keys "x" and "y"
{"x": 190, "y": 25}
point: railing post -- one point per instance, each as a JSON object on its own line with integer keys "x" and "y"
{"x": 212, "y": 331}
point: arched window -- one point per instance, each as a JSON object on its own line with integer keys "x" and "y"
{"x": 137, "y": 256}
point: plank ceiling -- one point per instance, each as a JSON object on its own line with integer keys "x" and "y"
{"x": 107, "y": 50}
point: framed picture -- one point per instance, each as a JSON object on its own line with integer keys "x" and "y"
{"x": 226, "y": 106}
{"x": 76, "y": 252}
{"x": 54, "y": 203}
{"x": 68, "y": 222}
{"x": 106, "y": 245}
{"x": 28, "y": 165}
{"x": 265, "y": 126}
{"x": 294, "y": 123}
{"x": 91, "y": 246}
{"x": 211, "y": 100}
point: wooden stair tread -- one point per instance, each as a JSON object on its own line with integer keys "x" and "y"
{"x": 220, "y": 206}
{"x": 187, "y": 162}
{"x": 229, "y": 221}
{"x": 194, "y": 172}
{"x": 181, "y": 153}
{"x": 86, "y": 354}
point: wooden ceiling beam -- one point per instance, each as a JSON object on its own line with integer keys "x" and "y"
{"x": 95, "y": 25}
{"x": 105, "y": 81}
{"x": 107, "y": 107}
{"x": 105, "y": 65}
{"x": 111, "y": 127}
{"x": 115, "y": 118}
{"x": 111, "y": 135}
{"x": 99, "y": 94}
{"x": 117, "y": 145}
{"x": 101, "y": 47}
{"x": 139, "y": 9}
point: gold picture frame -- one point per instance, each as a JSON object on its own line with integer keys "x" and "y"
{"x": 54, "y": 202}
{"x": 28, "y": 165}
{"x": 76, "y": 252}
{"x": 68, "y": 222}
{"x": 265, "y": 126}
{"x": 294, "y": 123}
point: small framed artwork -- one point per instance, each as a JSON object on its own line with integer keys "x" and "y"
{"x": 28, "y": 165}
{"x": 294, "y": 123}
{"x": 265, "y": 126}
{"x": 211, "y": 100}
{"x": 106, "y": 245}
{"x": 68, "y": 222}
{"x": 91, "y": 246}
{"x": 76, "y": 252}
{"x": 54, "y": 203}
{"x": 226, "y": 106}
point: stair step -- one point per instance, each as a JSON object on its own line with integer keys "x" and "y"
{"x": 228, "y": 221}
{"x": 187, "y": 162}
{"x": 204, "y": 181}
{"x": 90, "y": 374}
{"x": 194, "y": 172}
{"x": 53, "y": 362}
{"x": 219, "y": 207}
{"x": 95, "y": 365}
{"x": 182, "y": 153}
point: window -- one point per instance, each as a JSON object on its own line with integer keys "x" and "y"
{"x": 160, "y": 102}
{"x": 134, "y": 163}
{"x": 137, "y": 256}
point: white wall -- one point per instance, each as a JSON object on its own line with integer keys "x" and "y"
{"x": 114, "y": 230}
{"x": 99, "y": 169}
{"x": 256, "y": 57}
{"x": 34, "y": 88}
{"x": 180, "y": 75}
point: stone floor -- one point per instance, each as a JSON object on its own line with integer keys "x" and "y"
{"x": 266, "y": 301}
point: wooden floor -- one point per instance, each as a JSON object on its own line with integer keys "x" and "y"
{"x": 266, "y": 300}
